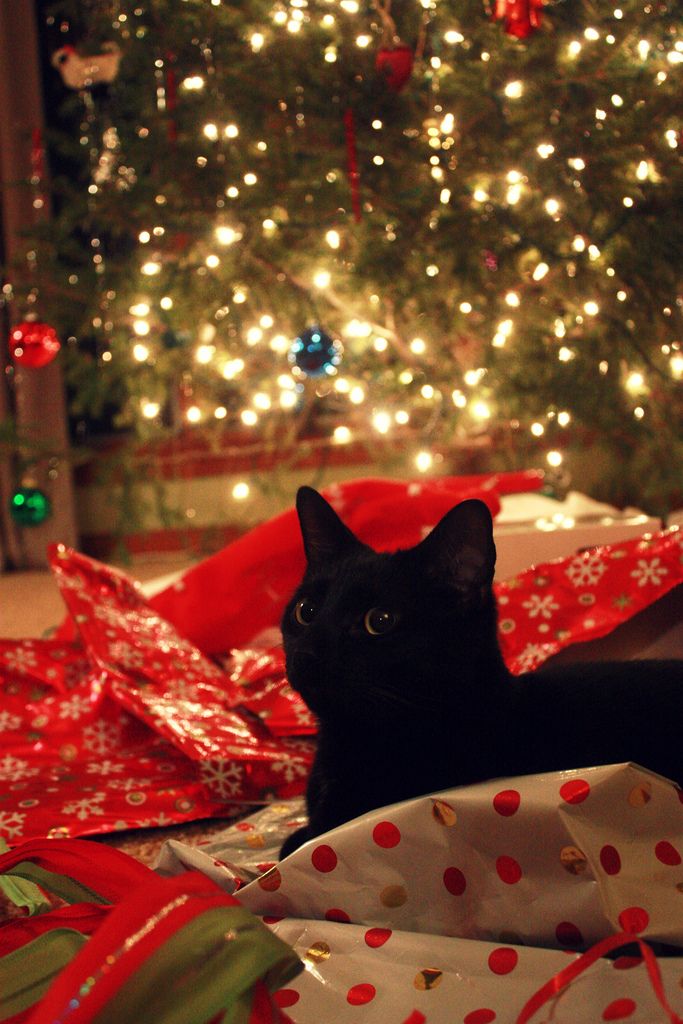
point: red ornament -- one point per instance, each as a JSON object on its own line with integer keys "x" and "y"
{"x": 395, "y": 64}
{"x": 33, "y": 344}
{"x": 520, "y": 17}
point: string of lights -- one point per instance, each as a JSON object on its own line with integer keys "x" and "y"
{"x": 515, "y": 265}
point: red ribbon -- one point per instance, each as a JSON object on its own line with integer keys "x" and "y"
{"x": 560, "y": 981}
{"x": 105, "y": 870}
{"x": 85, "y": 918}
{"x": 352, "y": 159}
{"x": 150, "y": 915}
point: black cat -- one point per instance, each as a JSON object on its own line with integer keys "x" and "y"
{"x": 398, "y": 658}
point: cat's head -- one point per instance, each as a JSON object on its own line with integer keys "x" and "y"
{"x": 368, "y": 630}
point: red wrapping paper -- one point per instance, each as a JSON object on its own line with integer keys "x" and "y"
{"x": 130, "y": 720}
{"x": 269, "y": 560}
{"x": 584, "y": 596}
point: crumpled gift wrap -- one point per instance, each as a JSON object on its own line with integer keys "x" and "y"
{"x": 129, "y": 725}
{"x": 359, "y": 975}
{"x": 584, "y": 596}
{"x": 463, "y": 904}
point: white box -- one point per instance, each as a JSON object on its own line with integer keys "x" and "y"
{"x": 533, "y": 528}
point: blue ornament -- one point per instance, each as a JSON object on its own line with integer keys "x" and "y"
{"x": 315, "y": 353}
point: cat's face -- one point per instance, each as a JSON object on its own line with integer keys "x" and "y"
{"x": 373, "y": 632}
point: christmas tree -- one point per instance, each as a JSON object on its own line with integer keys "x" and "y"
{"x": 428, "y": 226}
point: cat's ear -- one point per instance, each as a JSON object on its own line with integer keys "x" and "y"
{"x": 460, "y": 548}
{"x": 325, "y": 536}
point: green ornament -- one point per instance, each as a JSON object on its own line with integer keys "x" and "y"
{"x": 29, "y": 506}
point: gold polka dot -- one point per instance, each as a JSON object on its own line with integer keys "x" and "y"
{"x": 393, "y": 896}
{"x": 318, "y": 953}
{"x": 573, "y": 860}
{"x": 443, "y": 813}
{"x": 640, "y": 794}
{"x": 256, "y": 841}
{"x": 68, "y": 752}
{"x": 428, "y": 978}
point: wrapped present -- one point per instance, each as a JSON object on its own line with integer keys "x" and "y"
{"x": 474, "y": 903}
{"x": 532, "y": 527}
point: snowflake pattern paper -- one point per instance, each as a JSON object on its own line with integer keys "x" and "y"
{"x": 584, "y": 596}
{"x": 130, "y": 726}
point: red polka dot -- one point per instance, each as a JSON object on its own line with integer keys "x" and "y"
{"x": 619, "y": 1009}
{"x": 634, "y": 919}
{"x": 503, "y": 960}
{"x": 269, "y": 919}
{"x": 610, "y": 860}
{"x": 667, "y": 854}
{"x": 286, "y": 997}
{"x": 568, "y": 934}
{"x": 508, "y": 870}
{"x": 270, "y": 881}
{"x": 324, "y": 858}
{"x": 624, "y": 963}
{"x": 506, "y": 802}
{"x": 455, "y": 881}
{"x": 376, "y": 937}
{"x": 335, "y": 914}
{"x": 575, "y": 791}
{"x": 679, "y": 794}
{"x": 245, "y": 826}
{"x": 386, "y": 835}
{"x": 482, "y": 1016}
{"x": 360, "y": 994}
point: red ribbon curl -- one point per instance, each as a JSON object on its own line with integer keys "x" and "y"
{"x": 560, "y": 981}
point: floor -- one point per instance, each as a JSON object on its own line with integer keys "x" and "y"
{"x": 30, "y": 602}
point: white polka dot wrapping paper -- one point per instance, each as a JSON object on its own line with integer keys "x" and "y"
{"x": 461, "y": 905}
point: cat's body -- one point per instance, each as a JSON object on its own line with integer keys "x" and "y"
{"x": 397, "y": 656}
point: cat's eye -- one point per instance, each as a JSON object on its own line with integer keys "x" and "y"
{"x": 304, "y": 611}
{"x": 379, "y": 621}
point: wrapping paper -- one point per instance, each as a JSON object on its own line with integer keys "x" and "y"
{"x": 129, "y": 945}
{"x": 584, "y": 596}
{"x": 269, "y": 560}
{"x": 130, "y": 725}
{"x": 150, "y": 712}
{"x": 460, "y": 906}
